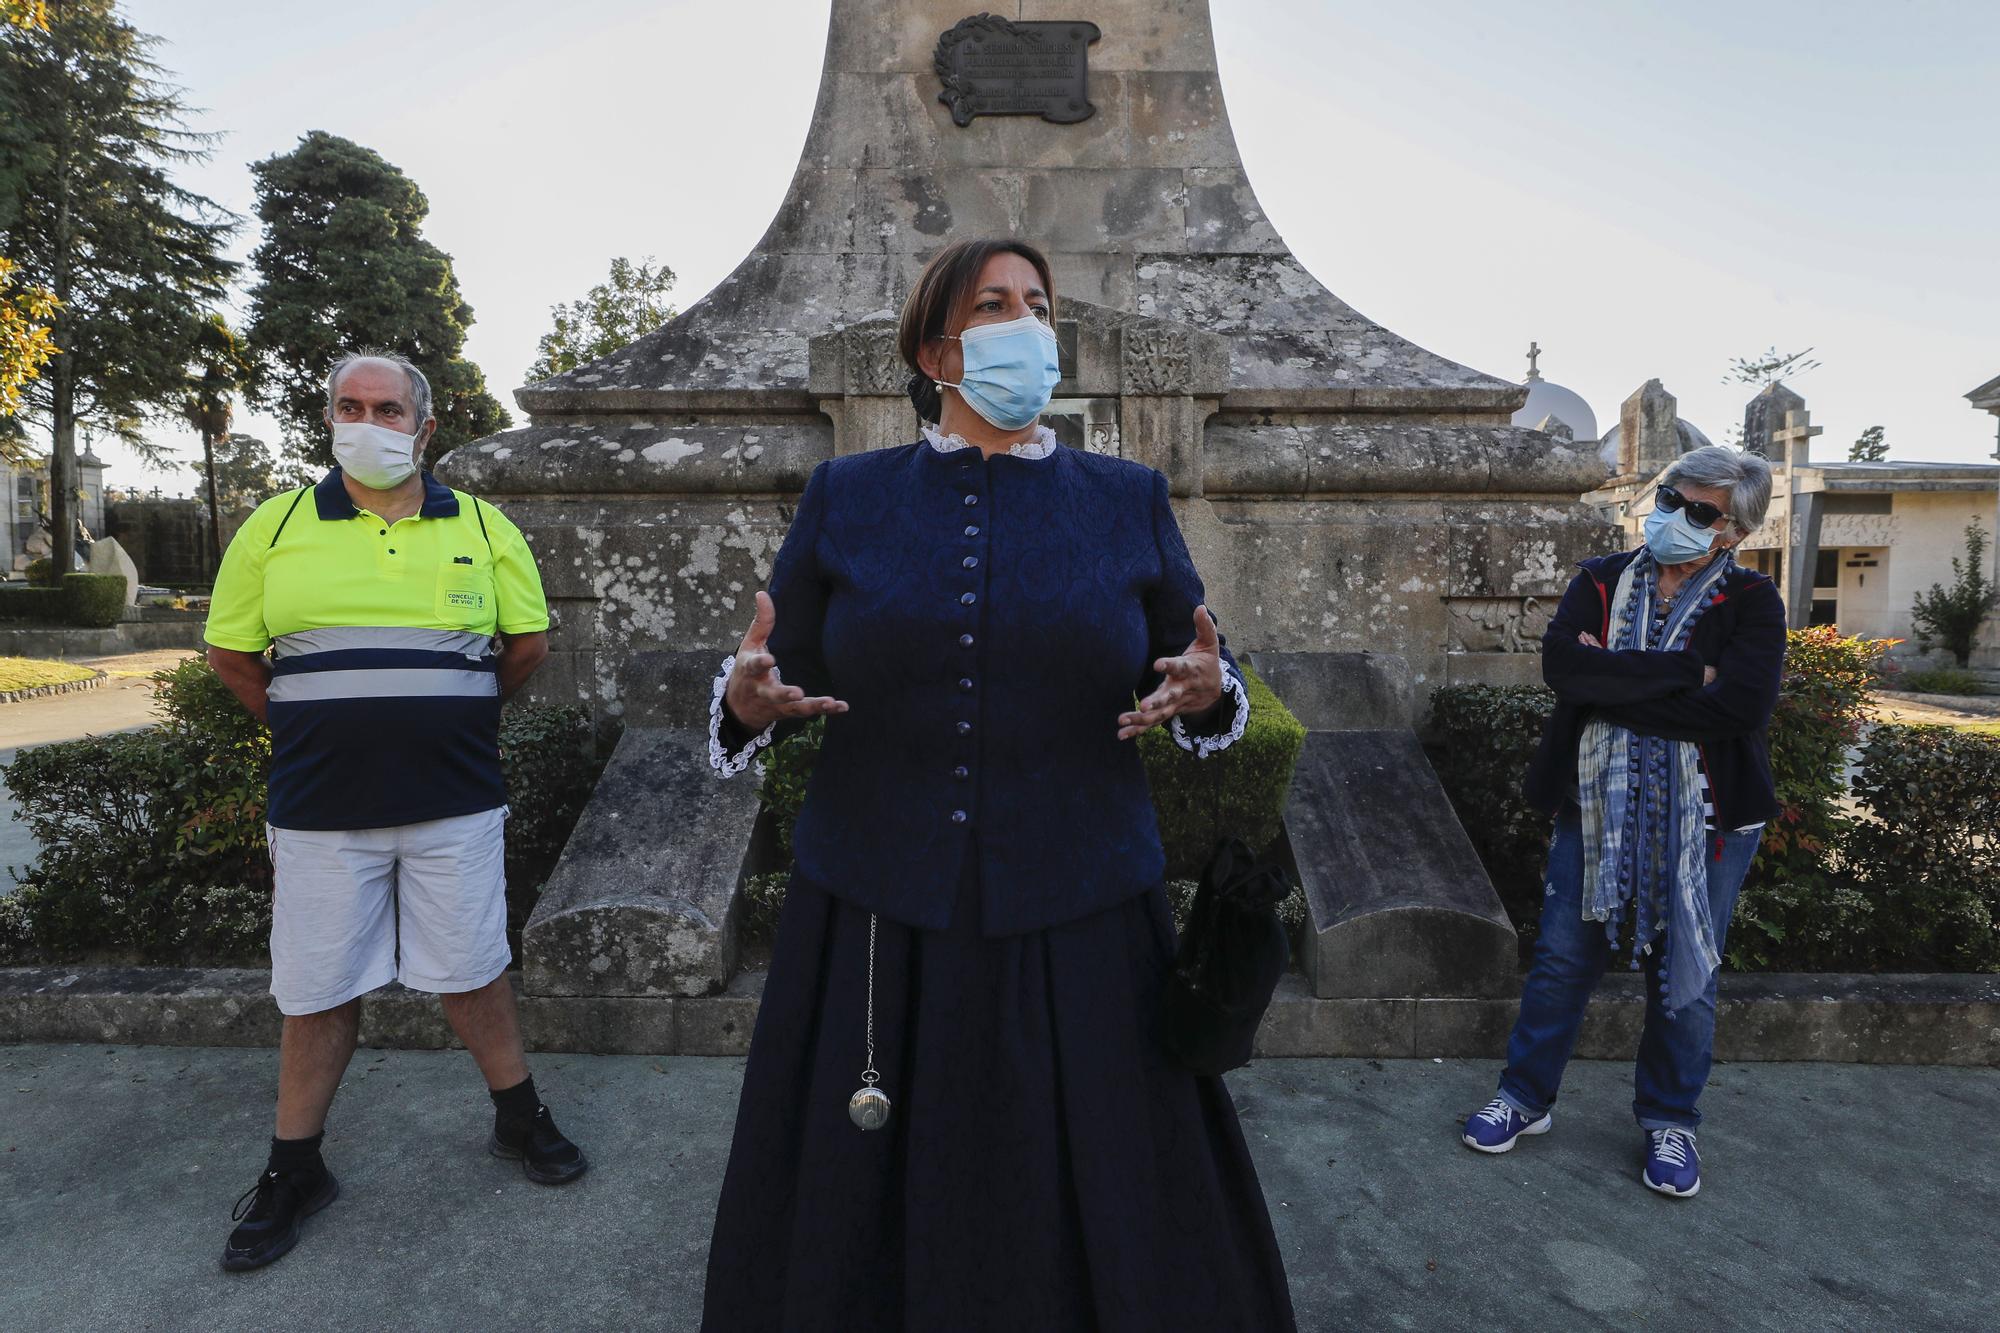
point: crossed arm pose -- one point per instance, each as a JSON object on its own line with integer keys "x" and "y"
{"x": 1666, "y": 664}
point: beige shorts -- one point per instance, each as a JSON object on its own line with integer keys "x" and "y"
{"x": 424, "y": 904}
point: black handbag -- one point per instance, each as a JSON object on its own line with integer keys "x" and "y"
{"x": 1230, "y": 958}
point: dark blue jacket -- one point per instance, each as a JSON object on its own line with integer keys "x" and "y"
{"x": 1742, "y": 635}
{"x": 986, "y": 621}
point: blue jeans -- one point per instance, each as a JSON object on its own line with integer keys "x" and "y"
{"x": 1572, "y": 953}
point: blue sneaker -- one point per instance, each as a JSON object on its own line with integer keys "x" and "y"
{"x": 1495, "y": 1127}
{"x": 1672, "y": 1164}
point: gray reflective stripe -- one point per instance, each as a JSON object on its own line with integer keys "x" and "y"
{"x": 382, "y": 684}
{"x": 342, "y": 637}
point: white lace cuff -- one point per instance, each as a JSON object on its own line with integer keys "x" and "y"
{"x": 728, "y": 765}
{"x": 1204, "y": 746}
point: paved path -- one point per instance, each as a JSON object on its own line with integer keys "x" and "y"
{"x": 1838, "y": 1197}
{"x": 123, "y": 703}
{"x": 1891, "y": 708}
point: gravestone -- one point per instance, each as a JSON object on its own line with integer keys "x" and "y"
{"x": 1344, "y": 491}
{"x": 108, "y": 557}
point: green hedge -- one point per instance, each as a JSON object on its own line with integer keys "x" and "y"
{"x": 1942, "y": 680}
{"x": 548, "y": 755}
{"x": 1909, "y": 882}
{"x": 153, "y": 844}
{"x": 93, "y": 601}
{"x": 1483, "y": 739}
{"x": 152, "y": 841}
{"x": 1924, "y": 871}
{"x": 1236, "y": 792}
{"x": 27, "y": 601}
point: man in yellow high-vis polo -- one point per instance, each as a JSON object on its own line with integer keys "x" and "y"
{"x": 398, "y": 614}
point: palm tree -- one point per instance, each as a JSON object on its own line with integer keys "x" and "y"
{"x": 216, "y": 374}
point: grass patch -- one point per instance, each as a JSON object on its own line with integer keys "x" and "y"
{"x": 25, "y": 673}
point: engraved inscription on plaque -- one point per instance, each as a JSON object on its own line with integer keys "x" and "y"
{"x": 992, "y": 66}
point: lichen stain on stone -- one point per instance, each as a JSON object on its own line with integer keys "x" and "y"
{"x": 669, "y": 451}
{"x": 1538, "y": 564}
{"x": 704, "y": 556}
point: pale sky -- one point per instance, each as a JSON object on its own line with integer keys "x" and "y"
{"x": 1647, "y": 190}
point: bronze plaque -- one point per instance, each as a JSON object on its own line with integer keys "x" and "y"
{"x": 992, "y": 66}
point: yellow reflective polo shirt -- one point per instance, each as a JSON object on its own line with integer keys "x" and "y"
{"x": 385, "y": 706}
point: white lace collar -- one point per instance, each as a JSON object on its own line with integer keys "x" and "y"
{"x": 1039, "y": 445}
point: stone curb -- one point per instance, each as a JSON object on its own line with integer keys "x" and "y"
{"x": 96, "y": 679}
{"x": 1957, "y": 703}
{"x": 1949, "y": 1019}
{"x": 20, "y": 639}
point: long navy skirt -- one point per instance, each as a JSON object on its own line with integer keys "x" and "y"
{"x": 1044, "y": 1167}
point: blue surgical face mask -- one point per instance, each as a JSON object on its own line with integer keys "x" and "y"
{"x": 1675, "y": 541}
{"x": 1010, "y": 371}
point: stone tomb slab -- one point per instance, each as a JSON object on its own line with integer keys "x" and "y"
{"x": 1400, "y": 905}
{"x": 644, "y": 900}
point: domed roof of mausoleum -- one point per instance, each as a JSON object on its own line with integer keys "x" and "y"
{"x": 1548, "y": 399}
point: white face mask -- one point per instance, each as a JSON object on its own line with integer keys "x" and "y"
{"x": 379, "y": 458}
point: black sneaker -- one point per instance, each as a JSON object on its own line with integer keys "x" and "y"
{"x": 544, "y": 1154}
{"x": 269, "y": 1213}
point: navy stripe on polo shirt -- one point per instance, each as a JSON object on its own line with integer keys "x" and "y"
{"x": 368, "y": 736}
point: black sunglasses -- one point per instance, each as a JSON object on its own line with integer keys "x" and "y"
{"x": 1699, "y": 513}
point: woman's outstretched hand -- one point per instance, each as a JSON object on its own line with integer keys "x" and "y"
{"x": 1190, "y": 684}
{"x": 756, "y": 695}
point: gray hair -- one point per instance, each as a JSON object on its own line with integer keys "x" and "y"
{"x": 1746, "y": 476}
{"x": 420, "y": 388}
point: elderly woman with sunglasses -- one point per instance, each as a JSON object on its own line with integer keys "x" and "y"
{"x": 1665, "y": 662}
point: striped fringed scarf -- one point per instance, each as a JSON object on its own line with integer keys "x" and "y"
{"x": 1643, "y": 837}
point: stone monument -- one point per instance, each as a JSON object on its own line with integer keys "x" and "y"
{"x": 1369, "y": 522}
{"x": 108, "y": 557}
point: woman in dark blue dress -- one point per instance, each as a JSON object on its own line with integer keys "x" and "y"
{"x": 956, "y": 1115}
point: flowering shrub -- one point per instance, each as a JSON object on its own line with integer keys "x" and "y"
{"x": 1822, "y": 706}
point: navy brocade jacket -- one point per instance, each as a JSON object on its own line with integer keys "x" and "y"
{"x": 986, "y": 621}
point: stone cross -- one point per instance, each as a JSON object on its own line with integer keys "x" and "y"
{"x": 1793, "y": 443}
{"x": 1534, "y": 352}
{"x": 1798, "y": 430}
